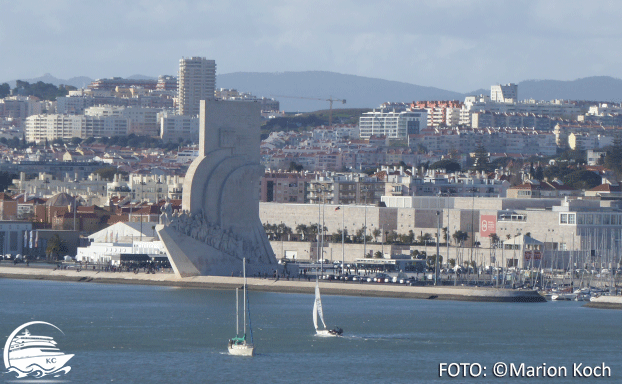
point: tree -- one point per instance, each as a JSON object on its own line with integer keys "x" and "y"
{"x": 6, "y": 179}
{"x": 431, "y": 261}
{"x": 76, "y": 140}
{"x": 378, "y": 255}
{"x": 302, "y": 230}
{"x": 582, "y": 179}
{"x": 460, "y": 236}
{"x": 449, "y": 165}
{"x": 452, "y": 263}
{"x": 375, "y": 233}
{"x": 337, "y": 236}
{"x": 107, "y": 173}
{"x": 424, "y": 238}
{"x": 613, "y": 158}
{"x": 539, "y": 173}
{"x": 5, "y": 90}
{"x": 577, "y": 156}
{"x": 494, "y": 239}
{"x": 358, "y": 238}
{"x": 293, "y": 167}
{"x": 417, "y": 255}
{"x": 392, "y": 237}
{"x": 55, "y": 247}
{"x": 482, "y": 161}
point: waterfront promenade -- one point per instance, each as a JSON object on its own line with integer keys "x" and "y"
{"x": 272, "y": 285}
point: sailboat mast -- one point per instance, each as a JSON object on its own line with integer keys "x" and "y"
{"x": 343, "y": 240}
{"x": 237, "y": 310}
{"x": 244, "y": 272}
{"x": 572, "y": 266}
{"x": 319, "y": 223}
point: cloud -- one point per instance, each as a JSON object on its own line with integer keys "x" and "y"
{"x": 456, "y": 45}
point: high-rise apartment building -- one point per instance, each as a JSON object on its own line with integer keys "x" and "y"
{"x": 51, "y": 127}
{"x": 507, "y": 93}
{"x": 392, "y": 124}
{"x": 196, "y": 82}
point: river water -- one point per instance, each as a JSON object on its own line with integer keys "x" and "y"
{"x": 148, "y": 334}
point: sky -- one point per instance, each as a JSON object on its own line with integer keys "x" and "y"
{"x": 457, "y": 45}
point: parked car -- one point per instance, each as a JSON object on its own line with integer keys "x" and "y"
{"x": 382, "y": 278}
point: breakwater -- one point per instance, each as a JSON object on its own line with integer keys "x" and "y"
{"x": 605, "y": 302}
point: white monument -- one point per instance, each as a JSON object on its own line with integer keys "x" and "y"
{"x": 219, "y": 222}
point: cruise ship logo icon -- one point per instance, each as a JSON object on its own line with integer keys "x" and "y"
{"x": 29, "y": 355}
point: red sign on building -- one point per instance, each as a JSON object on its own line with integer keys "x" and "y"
{"x": 487, "y": 225}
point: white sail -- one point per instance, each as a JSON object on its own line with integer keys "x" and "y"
{"x": 317, "y": 307}
{"x": 315, "y": 314}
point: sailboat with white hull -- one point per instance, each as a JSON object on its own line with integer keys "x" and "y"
{"x": 239, "y": 346}
{"x": 318, "y": 312}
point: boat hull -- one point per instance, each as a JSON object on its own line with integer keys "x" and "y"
{"x": 325, "y": 333}
{"x": 242, "y": 350}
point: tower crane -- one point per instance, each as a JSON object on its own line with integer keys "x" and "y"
{"x": 330, "y": 100}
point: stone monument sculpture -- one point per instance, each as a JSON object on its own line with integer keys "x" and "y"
{"x": 219, "y": 223}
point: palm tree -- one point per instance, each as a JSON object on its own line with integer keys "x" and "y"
{"x": 376, "y": 232}
{"x": 302, "y": 230}
{"x": 431, "y": 261}
{"x": 460, "y": 236}
{"x": 424, "y": 238}
{"x": 494, "y": 239}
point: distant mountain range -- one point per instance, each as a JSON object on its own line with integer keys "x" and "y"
{"x": 302, "y": 88}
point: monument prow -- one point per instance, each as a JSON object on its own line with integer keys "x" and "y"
{"x": 219, "y": 223}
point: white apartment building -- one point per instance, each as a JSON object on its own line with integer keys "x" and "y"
{"x": 143, "y": 120}
{"x": 153, "y": 188}
{"x": 92, "y": 189}
{"x": 525, "y": 141}
{"x": 173, "y": 127}
{"x": 585, "y": 141}
{"x": 507, "y": 93}
{"x": 187, "y": 155}
{"x": 51, "y": 127}
{"x": 196, "y": 82}
{"x": 552, "y": 109}
{"x": 392, "y": 124}
{"x": 267, "y": 104}
{"x": 604, "y": 109}
{"x": 20, "y": 107}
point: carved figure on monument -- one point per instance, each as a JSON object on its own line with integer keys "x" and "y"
{"x": 167, "y": 212}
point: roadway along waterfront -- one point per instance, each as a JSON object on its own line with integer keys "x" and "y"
{"x": 270, "y": 285}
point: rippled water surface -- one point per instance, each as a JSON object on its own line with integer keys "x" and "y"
{"x": 147, "y": 334}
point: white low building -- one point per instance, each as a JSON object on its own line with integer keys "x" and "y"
{"x": 109, "y": 244}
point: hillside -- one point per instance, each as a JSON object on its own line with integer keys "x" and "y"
{"x": 366, "y": 92}
{"x": 358, "y": 91}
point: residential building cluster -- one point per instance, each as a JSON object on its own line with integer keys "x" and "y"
{"x": 377, "y": 172}
{"x": 167, "y": 107}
